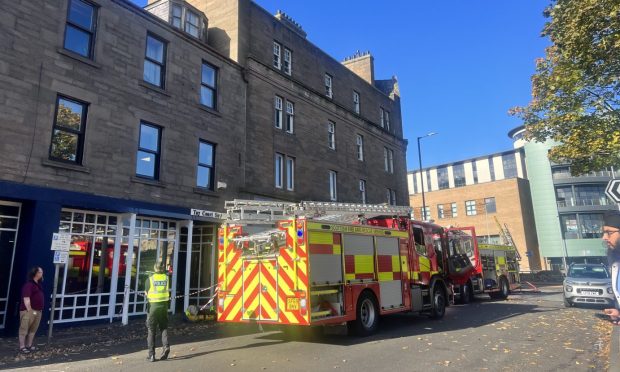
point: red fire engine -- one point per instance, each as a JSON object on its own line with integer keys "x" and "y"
{"x": 480, "y": 268}
{"x": 317, "y": 263}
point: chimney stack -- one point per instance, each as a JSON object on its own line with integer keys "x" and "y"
{"x": 363, "y": 65}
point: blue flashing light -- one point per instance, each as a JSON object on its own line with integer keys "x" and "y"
{"x": 221, "y": 240}
{"x": 300, "y": 233}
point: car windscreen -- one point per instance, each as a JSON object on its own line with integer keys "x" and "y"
{"x": 594, "y": 272}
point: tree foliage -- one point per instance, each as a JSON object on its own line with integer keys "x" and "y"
{"x": 65, "y": 142}
{"x": 576, "y": 87}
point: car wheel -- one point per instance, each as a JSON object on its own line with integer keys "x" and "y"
{"x": 567, "y": 303}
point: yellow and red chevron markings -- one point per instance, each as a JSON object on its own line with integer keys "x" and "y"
{"x": 260, "y": 288}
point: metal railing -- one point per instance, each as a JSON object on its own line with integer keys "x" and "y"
{"x": 565, "y": 175}
{"x": 583, "y": 202}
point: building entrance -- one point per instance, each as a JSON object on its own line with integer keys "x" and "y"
{"x": 9, "y": 222}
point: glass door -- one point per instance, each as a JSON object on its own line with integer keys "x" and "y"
{"x": 9, "y": 222}
{"x": 202, "y": 269}
{"x": 153, "y": 239}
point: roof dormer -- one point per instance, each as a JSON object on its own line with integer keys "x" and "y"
{"x": 180, "y": 15}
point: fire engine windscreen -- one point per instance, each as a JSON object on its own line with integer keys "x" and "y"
{"x": 261, "y": 243}
{"x": 461, "y": 252}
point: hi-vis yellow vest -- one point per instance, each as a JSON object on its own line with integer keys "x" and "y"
{"x": 158, "y": 289}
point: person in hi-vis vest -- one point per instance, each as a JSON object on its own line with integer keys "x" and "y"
{"x": 158, "y": 296}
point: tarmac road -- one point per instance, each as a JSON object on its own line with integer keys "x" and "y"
{"x": 528, "y": 332}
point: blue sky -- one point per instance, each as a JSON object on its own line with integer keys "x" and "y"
{"x": 461, "y": 64}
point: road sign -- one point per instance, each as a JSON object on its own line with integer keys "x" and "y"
{"x": 61, "y": 257}
{"x": 613, "y": 190}
{"x": 61, "y": 242}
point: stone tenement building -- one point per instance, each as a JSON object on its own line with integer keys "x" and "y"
{"x": 128, "y": 128}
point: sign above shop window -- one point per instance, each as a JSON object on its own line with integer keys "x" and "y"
{"x": 208, "y": 214}
{"x": 61, "y": 242}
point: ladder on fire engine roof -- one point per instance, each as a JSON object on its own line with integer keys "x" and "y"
{"x": 257, "y": 210}
{"x": 507, "y": 237}
{"x": 349, "y": 212}
{"x": 265, "y": 211}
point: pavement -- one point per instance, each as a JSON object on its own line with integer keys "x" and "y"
{"x": 95, "y": 340}
{"x": 530, "y": 331}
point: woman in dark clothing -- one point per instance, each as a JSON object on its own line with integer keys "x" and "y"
{"x": 30, "y": 309}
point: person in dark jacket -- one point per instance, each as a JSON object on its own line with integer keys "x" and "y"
{"x": 611, "y": 239}
{"x": 30, "y": 309}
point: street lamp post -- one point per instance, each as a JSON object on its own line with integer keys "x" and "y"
{"x": 422, "y": 178}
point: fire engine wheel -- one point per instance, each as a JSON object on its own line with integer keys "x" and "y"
{"x": 467, "y": 293}
{"x": 504, "y": 289}
{"x": 367, "y": 316}
{"x": 439, "y": 303}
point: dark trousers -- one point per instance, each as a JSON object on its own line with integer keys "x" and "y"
{"x": 157, "y": 317}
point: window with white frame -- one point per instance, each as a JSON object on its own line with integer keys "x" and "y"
{"x": 333, "y": 187}
{"x": 278, "y": 112}
{"x": 391, "y": 196}
{"x": 454, "y": 210}
{"x": 470, "y": 207}
{"x": 440, "y": 213}
{"x": 279, "y": 170}
{"x": 290, "y": 173}
{"x": 328, "y": 86}
{"x": 331, "y": 135}
{"x": 426, "y": 213}
{"x": 382, "y": 112}
{"x": 356, "y": 102}
{"x": 277, "y": 51}
{"x": 388, "y": 157}
{"x": 284, "y": 171}
{"x": 192, "y": 23}
{"x": 290, "y": 116}
{"x": 363, "y": 191}
{"x": 359, "y": 141}
{"x": 387, "y": 120}
{"x": 288, "y": 61}
{"x": 187, "y": 20}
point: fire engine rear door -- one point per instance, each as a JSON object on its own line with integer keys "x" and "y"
{"x": 260, "y": 289}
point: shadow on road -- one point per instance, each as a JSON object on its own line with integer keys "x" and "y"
{"x": 458, "y": 317}
{"x": 479, "y": 313}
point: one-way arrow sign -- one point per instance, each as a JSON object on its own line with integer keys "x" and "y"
{"x": 613, "y": 190}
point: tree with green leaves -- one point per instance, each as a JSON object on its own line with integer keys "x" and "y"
{"x": 576, "y": 87}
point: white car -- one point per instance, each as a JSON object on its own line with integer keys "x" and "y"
{"x": 588, "y": 284}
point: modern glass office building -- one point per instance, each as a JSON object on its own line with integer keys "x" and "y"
{"x": 568, "y": 210}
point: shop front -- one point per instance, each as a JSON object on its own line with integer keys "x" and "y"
{"x": 111, "y": 254}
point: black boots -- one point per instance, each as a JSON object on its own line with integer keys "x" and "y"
{"x": 151, "y": 357}
{"x": 164, "y": 353}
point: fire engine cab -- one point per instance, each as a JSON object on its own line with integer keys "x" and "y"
{"x": 480, "y": 268}
{"x": 315, "y": 263}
